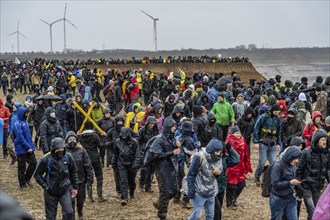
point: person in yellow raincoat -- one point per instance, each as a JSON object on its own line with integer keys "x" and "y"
{"x": 134, "y": 117}
{"x": 72, "y": 82}
{"x": 139, "y": 80}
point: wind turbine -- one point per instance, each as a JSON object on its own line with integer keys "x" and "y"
{"x": 50, "y": 31}
{"x": 155, "y": 28}
{"x": 66, "y": 20}
{"x": 18, "y": 33}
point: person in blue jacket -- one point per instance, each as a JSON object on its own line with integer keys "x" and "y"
{"x": 24, "y": 148}
{"x": 11, "y": 123}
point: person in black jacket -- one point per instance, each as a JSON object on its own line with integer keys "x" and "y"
{"x": 49, "y": 129}
{"x": 177, "y": 113}
{"x": 57, "y": 174}
{"x": 313, "y": 169}
{"x": 199, "y": 122}
{"x": 61, "y": 108}
{"x": 283, "y": 179}
{"x": 212, "y": 129}
{"x": 163, "y": 153}
{"x": 127, "y": 157}
{"x": 246, "y": 125}
{"x": 75, "y": 118}
{"x": 105, "y": 124}
{"x": 84, "y": 170}
{"x": 147, "y": 132}
{"x": 291, "y": 127}
{"x": 91, "y": 142}
{"x": 169, "y": 105}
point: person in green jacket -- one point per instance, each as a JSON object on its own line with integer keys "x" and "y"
{"x": 229, "y": 159}
{"x": 224, "y": 114}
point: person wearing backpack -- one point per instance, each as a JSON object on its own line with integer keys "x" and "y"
{"x": 84, "y": 170}
{"x": 313, "y": 169}
{"x": 311, "y": 127}
{"x": 24, "y": 148}
{"x": 206, "y": 165}
{"x": 282, "y": 181}
{"x": 57, "y": 174}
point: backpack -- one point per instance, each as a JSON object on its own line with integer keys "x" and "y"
{"x": 301, "y": 111}
{"x": 266, "y": 187}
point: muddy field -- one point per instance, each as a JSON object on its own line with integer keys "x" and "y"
{"x": 251, "y": 204}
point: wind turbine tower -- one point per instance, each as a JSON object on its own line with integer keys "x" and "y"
{"x": 155, "y": 28}
{"x": 66, "y": 20}
{"x": 50, "y": 31}
{"x": 17, "y": 33}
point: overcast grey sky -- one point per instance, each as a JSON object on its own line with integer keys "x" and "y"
{"x": 182, "y": 24}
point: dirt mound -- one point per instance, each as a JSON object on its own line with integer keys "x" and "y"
{"x": 245, "y": 70}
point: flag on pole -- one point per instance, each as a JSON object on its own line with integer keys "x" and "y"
{"x": 17, "y": 61}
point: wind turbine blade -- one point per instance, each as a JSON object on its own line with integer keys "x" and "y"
{"x": 22, "y": 34}
{"x": 57, "y": 21}
{"x": 13, "y": 33}
{"x": 65, "y": 11}
{"x": 148, "y": 15}
{"x": 71, "y": 23}
{"x": 44, "y": 21}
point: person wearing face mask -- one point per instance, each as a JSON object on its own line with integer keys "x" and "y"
{"x": 162, "y": 154}
{"x": 49, "y": 129}
{"x": 311, "y": 127}
{"x": 185, "y": 108}
{"x": 91, "y": 142}
{"x": 57, "y": 174}
{"x": 267, "y": 138}
{"x": 283, "y": 180}
{"x": 112, "y": 135}
{"x": 313, "y": 169}
{"x": 237, "y": 174}
{"x": 206, "y": 165}
{"x": 127, "y": 157}
{"x": 84, "y": 170}
{"x": 213, "y": 130}
{"x": 105, "y": 123}
{"x": 147, "y": 132}
{"x": 291, "y": 127}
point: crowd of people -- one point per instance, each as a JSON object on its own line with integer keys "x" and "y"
{"x": 194, "y": 134}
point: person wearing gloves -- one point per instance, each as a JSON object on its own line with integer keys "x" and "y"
{"x": 283, "y": 179}
{"x": 127, "y": 157}
{"x": 206, "y": 165}
{"x": 84, "y": 170}
{"x": 57, "y": 174}
{"x": 24, "y": 148}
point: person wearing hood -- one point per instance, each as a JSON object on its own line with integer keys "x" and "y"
{"x": 169, "y": 105}
{"x": 163, "y": 154}
{"x": 185, "y": 108}
{"x": 237, "y": 174}
{"x": 12, "y": 120}
{"x": 291, "y": 127}
{"x": 127, "y": 157}
{"x": 91, "y": 142}
{"x": 105, "y": 123}
{"x": 212, "y": 129}
{"x": 148, "y": 131}
{"x": 283, "y": 180}
{"x": 260, "y": 109}
{"x": 205, "y": 101}
{"x": 177, "y": 113}
{"x": 302, "y": 105}
{"x": 35, "y": 116}
{"x": 311, "y": 127}
{"x": 84, "y": 170}
{"x": 75, "y": 117}
{"x": 313, "y": 169}
{"x": 159, "y": 115}
{"x": 224, "y": 113}
{"x": 49, "y": 129}
{"x": 326, "y": 127}
{"x": 321, "y": 101}
{"x": 97, "y": 112}
{"x": 255, "y": 101}
{"x": 56, "y": 173}
{"x": 267, "y": 138}
{"x": 61, "y": 108}
{"x": 239, "y": 106}
{"x": 199, "y": 122}
{"x": 206, "y": 165}
{"x": 283, "y": 109}
{"x": 246, "y": 125}
{"x": 10, "y": 102}
{"x": 24, "y": 148}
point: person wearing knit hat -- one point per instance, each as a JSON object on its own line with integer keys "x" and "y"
{"x": 267, "y": 138}
{"x": 235, "y": 129}
{"x": 224, "y": 113}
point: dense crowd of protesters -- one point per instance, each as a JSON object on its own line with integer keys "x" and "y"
{"x": 194, "y": 133}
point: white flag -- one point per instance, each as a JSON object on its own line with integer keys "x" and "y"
{"x": 17, "y": 61}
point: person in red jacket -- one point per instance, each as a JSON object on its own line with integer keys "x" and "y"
{"x": 312, "y": 126}
{"x": 236, "y": 174}
{"x": 134, "y": 90}
{"x": 283, "y": 109}
{"x": 4, "y": 114}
